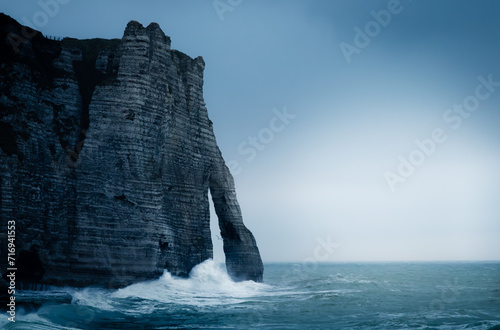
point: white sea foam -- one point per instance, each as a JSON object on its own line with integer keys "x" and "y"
{"x": 324, "y": 299}
{"x": 94, "y": 297}
{"x": 208, "y": 284}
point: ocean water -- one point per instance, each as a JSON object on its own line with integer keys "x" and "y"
{"x": 435, "y": 295}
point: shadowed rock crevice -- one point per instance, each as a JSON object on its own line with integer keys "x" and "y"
{"x": 89, "y": 76}
{"x": 133, "y": 200}
{"x": 8, "y": 139}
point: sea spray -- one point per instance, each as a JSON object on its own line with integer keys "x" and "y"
{"x": 336, "y": 295}
{"x": 208, "y": 284}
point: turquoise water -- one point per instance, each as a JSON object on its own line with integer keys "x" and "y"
{"x": 436, "y": 295}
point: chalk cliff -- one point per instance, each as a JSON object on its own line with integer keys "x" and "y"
{"x": 107, "y": 157}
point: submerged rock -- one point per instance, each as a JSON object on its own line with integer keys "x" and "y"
{"x": 107, "y": 157}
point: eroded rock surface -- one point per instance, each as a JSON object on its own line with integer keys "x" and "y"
{"x": 107, "y": 156}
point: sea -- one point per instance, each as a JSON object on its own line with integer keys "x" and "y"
{"x": 388, "y": 295}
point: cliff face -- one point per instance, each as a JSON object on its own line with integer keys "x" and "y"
{"x": 107, "y": 156}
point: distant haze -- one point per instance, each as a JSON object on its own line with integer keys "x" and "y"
{"x": 356, "y": 130}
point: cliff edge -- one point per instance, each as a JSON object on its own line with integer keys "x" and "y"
{"x": 107, "y": 156}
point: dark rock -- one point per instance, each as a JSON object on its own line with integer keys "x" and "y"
{"x": 107, "y": 156}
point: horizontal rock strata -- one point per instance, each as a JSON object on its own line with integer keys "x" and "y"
{"x": 107, "y": 157}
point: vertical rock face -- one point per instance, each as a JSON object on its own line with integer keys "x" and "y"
{"x": 107, "y": 156}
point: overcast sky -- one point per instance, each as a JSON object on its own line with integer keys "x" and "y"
{"x": 356, "y": 130}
